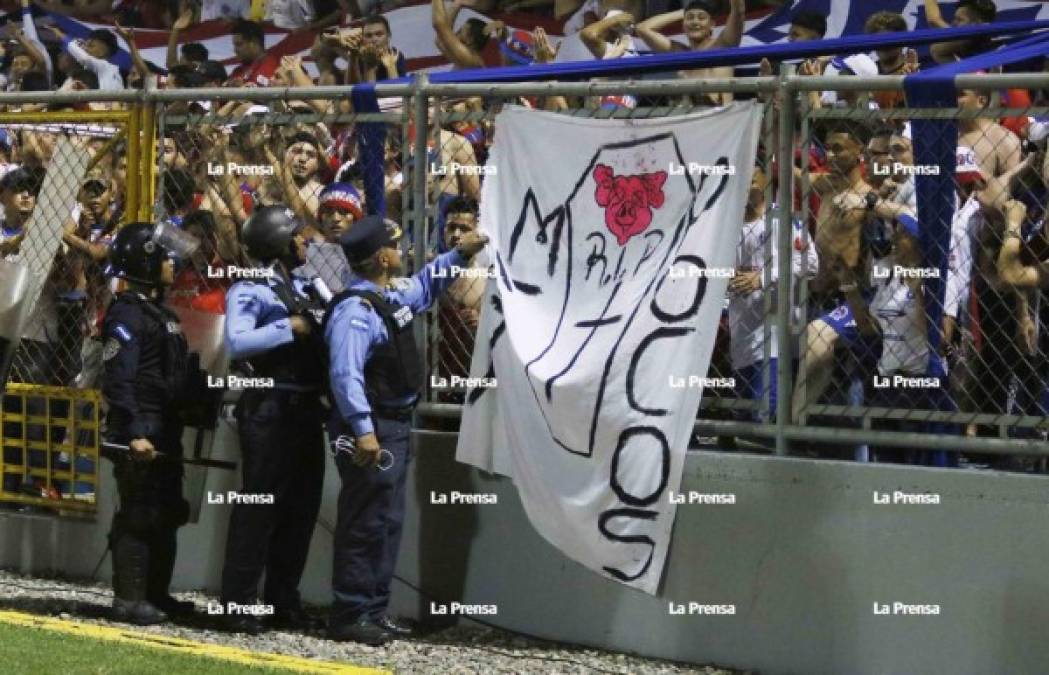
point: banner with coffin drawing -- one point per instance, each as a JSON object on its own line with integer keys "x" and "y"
{"x": 598, "y": 323}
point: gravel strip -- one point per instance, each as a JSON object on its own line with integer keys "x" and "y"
{"x": 459, "y": 650}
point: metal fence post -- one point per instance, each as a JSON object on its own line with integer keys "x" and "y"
{"x": 418, "y": 215}
{"x": 148, "y": 167}
{"x": 785, "y": 154}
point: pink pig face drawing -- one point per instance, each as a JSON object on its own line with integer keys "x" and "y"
{"x": 628, "y": 200}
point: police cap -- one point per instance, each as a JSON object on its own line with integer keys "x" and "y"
{"x": 368, "y": 236}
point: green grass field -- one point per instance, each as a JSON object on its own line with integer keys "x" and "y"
{"x": 34, "y": 651}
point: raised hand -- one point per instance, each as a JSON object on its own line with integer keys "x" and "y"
{"x": 622, "y": 20}
{"x": 545, "y": 51}
{"x": 185, "y": 18}
{"x": 910, "y": 64}
{"x": 127, "y": 33}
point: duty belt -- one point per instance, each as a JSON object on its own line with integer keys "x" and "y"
{"x": 399, "y": 414}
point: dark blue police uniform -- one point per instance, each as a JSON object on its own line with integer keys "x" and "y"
{"x": 281, "y": 440}
{"x": 375, "y": 376}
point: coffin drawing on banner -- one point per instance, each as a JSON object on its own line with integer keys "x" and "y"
{"x": 598, "y": 300}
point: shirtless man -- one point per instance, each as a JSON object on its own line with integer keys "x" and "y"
{"x": 839, "y": 226}
{"x": 460, "y": 307}
{"x": 997, "y": 149}
{"x": 298, "y": 174}
{"x": 842, "y": 190}
{"x": 698, "y": 21}
{"x": 461, "y": 47}
{"x": 454, "y": 156}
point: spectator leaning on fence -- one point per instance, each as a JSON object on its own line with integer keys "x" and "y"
{"x": 839, "y": 225}
{"x": 895, "y": 318}
{"x": 748, "y": 288}
{"x": 697, "y": 18}
{"x": 18, "y": 197}
{"x": 339, "y": 208}
{"x": 460, "y": 308}
{"x": 299, "y": 174}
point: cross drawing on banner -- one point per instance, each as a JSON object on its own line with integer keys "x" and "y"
{"x": 599, "y": 299}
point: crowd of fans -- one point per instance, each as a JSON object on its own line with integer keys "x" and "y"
{"x": 858, "y": 254}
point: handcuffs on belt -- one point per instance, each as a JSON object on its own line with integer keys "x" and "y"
{"x": 348, "y": 444}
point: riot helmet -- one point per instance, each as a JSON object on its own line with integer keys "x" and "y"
{"x": 267, "y": 234}
{"x": 138, "y": 251}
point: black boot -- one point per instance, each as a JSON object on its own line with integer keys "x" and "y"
{"x": 243, "y": 624}
{"x": 162, "y": 551}
{"x": 130, "y": 563}
{"x": 363, "y": 630}
{"x": 293, "y": 618}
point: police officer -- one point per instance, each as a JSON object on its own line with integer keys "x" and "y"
{"x": 147, "y": 373}
{"x": 375, "y": 376}
{"x": 273, "y": 329}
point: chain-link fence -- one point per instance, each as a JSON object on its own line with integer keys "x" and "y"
{"x": 63, "y": 192}
{"x": 461, "y": 131}
{"x": 864, "y": 374}
{"x": 894, "y": 333}
{"x": 918, "y": 320}
{"x": 314, "y": 156}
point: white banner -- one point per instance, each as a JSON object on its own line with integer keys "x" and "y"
{"x": 612, "y": 242}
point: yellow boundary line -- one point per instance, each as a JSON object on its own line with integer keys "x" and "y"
{"x": 186, "y": 647}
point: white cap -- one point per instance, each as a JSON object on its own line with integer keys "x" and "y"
{"x": 857, "y": 64}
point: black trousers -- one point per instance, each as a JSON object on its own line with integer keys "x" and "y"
{"x": 143, "y": 536}
{"x": 282, "y": 450}
{"x": 368, "y": 527}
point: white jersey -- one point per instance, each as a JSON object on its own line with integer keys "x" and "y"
{"x": 746, "y": 313}
{"x": 289, "y": 14}
{"x": 966, "y": 227}
{"x": 109, "y": 77}
{"x": 899, "y": 313}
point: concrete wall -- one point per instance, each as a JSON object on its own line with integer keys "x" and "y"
{"x": 803, "y": 555}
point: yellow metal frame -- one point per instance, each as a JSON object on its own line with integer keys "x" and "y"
{"x": 148, "y": 169}
{"x": 134, "y": 170}
{"x": 138, "y": 125}
{"x": 18, "y": 448}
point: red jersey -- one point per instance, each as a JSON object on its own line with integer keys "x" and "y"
{"x": 259, "y": 72}
{"x": 193, "y": 291}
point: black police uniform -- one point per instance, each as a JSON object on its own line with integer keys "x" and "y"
{"x": 147, "y": 370}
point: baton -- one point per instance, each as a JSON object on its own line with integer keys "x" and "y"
{"x": 213, "y": 463}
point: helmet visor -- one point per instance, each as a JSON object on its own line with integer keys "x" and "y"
{"x": 178, "y": 243}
